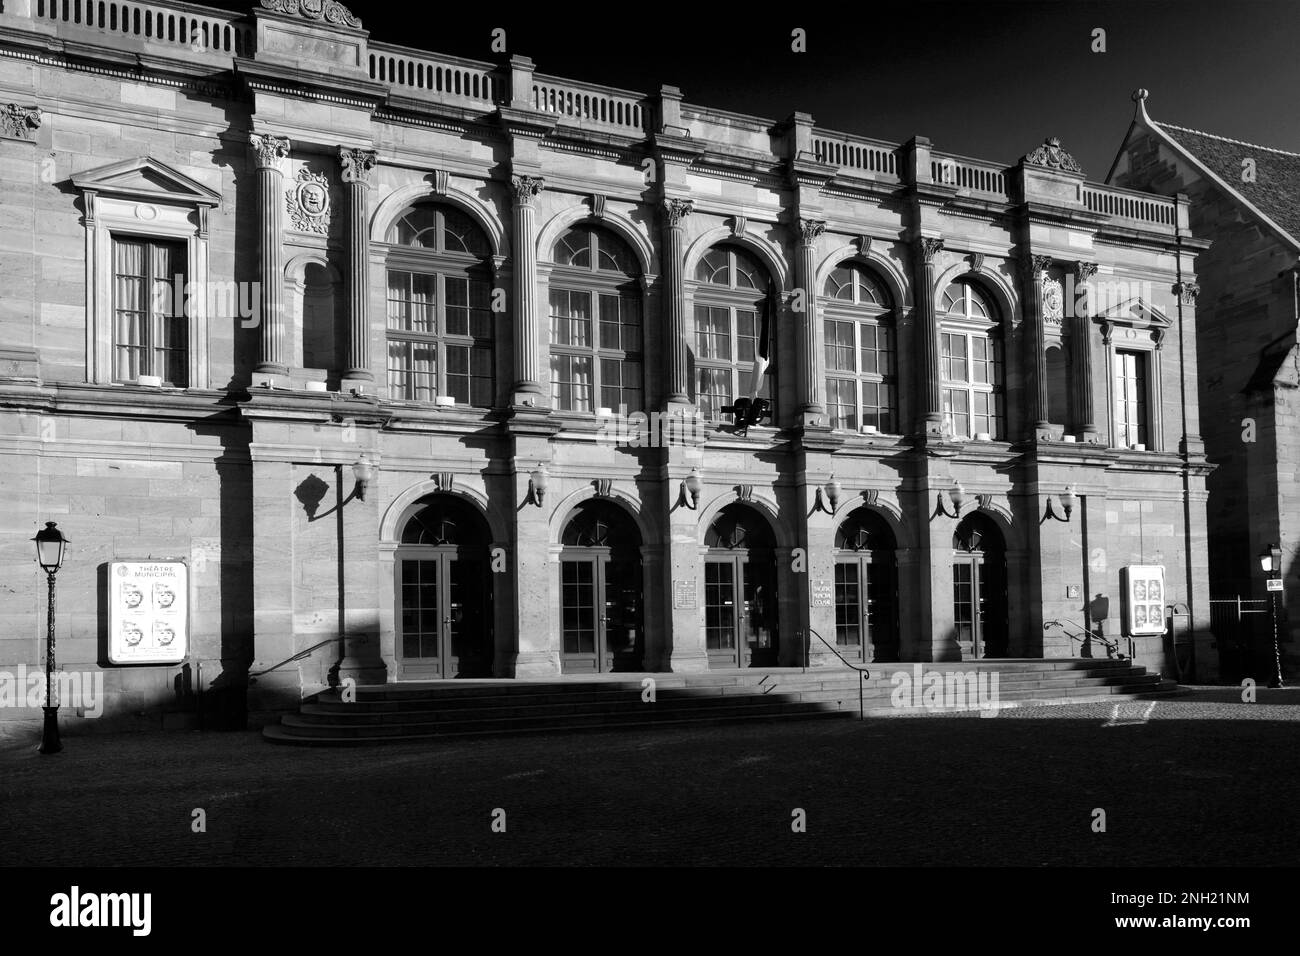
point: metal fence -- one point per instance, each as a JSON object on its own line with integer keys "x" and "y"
{"x": 1239, "y": 625}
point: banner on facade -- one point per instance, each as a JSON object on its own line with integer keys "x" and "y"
{"x": 147, "y": 612}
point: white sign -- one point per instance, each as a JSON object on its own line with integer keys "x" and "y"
{"x": 1144, "y": 599}
{"x": 1274, "y": 584}
{"x": 147, "y": 612}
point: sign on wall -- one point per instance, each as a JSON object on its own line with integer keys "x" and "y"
{"x": 1144, "y": 599}
{"x": 822, "y": 594}
{"x": 147, "y": 612}
{"x": 683, "y": 594}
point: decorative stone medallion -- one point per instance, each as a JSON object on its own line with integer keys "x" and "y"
{"x": 1053, "y": 301}
{"x": 309, "y": 202}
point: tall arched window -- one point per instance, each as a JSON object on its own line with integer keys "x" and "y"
{"x": 859, "y": 326}
{"x": 439, "y": 320}
{"x": 733, "y": 330}
{"x": 595, "y": 323}
{"x": 970, "y": 339}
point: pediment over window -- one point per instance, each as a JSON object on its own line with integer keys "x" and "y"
{"x": 1134, "y": 315}
{"x": 145, "y": 178}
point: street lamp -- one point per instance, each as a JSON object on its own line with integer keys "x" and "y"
{"x": 956, "y": 494}
{"x": 363, "y": 469}
{"x": 50, "y": 545}
{"x": 1270, "y": 560}
{"x": 691, "y": 489}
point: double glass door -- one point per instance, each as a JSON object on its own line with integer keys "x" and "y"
{"x": 979, "y": 605}
{"x": 865, "y": 624}
{"x": 444, "y": 615}
{"x": 600, "y": 601}
{"x": 740, "y": 611}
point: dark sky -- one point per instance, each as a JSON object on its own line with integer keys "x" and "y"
{"x": 982, "y": 79}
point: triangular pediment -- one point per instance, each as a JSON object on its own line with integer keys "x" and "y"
{"x": 1135, "y": 312}
{"x": 145, "y": 178}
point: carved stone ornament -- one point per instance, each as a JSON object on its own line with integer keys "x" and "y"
{"x": 738, "y": 225}
{"x": 810, "y": 229}
{"x": 441, "y": 180}
{"x": 20, "y": 121}
{"x": 930, "y": 247}
{"x": 269, "y": 150}
{"x": 356, "y": 164}
{"x": 864, "y": 246}
{"x": 1085, "y": 270}
{"x": 598, "y": 206}
{"x": 1053, "y": 301}
{"x": 444, "y": 480}
{"x": 745, "y": 492}
{"x": 326, "y": 10}
{"x": 308, "y": 202}
{"x": 1051, "y": 156}
{"x": 977, "y": 262}
{"x": 526, "y": 189}
{"x": 1188, "y": 291}
{"x": 603, "y": 487}
{"x": 675, "y": 210}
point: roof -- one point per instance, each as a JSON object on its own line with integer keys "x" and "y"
{"x": 1274, "y": 196}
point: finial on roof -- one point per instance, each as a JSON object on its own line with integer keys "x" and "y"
{"x": 1140, "y": 104}
{"x": 1053, "y": 156}
{"x": 1139, "y": 95}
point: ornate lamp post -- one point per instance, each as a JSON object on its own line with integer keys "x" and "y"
{"x": 1270, "y": 559}
{"x": 50, "y": 545}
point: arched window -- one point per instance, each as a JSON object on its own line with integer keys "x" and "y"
{"x": 595, "y": 323}
{"x": 859, "y": 327}
{"x": 439, "y": 321}
{"x": 970, "y": 365}
{"x": 733, "y": 330}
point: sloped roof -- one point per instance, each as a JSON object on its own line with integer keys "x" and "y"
{"x": 1276, "y": 189}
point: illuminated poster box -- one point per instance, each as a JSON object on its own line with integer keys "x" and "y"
{"x": 1144, "y": 599}
{"x": 148, "y": 614}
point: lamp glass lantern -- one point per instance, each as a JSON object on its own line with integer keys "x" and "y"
{"x": 1270, "y": 559}
{"x": 957, "y": 493}
{"x": 50, "y": 547}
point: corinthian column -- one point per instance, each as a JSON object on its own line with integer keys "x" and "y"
{"x": 1038, "y": 266}
{"x": 1084, "y": 413}
{"x": 356, "y": 166}
{"x": 812, "y": 387}
{"x": 927, "y": 326}
{"x": 528, "y": 371}
{"x": 268, "y": 152}
{"x": 676, "y": 210}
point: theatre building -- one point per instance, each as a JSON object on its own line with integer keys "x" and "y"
{"x": 408, "y": 367}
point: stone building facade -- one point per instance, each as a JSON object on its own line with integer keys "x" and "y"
{"x": 487, "y": 372}
{"x": 1246, "y": 200}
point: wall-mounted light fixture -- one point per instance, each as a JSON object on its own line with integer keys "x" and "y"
{"x": 1067, "y": 504}
{"x": 956, "y": 494}
{"x": 363, "y": 469}
{"x": 537, "y": 484}
{"x": 828, "y": 496}
{"x": 691, "y": 489}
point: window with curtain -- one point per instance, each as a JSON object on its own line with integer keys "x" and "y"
{"x": 150, "y": 331}
{"x": 440, "y": 327}
{"x": 596, "y": 324}
{"x": 970, "y": 362}
{"x": 858, "y": 322}
{"x": 733, "y": 331}
{"x": 1130, "y": 398}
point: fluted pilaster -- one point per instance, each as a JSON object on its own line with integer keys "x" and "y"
{"x": 675, "y": 211}
{"x": 812, "y": 387}
{"x": 356, "y": 167}
{"x": 269, "y": 153}
{"x": 528, "y": 370}
{"x": 1085, "y": 413}
{"x": 927, "y": 327}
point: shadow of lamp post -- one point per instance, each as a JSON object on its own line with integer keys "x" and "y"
{"x": 50, "y": 546}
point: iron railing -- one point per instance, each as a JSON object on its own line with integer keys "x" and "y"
{"x": 864, "y": 674}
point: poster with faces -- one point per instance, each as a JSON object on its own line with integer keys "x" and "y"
{"x": 147, "y": 617}
{"x": 1144, "y": 599}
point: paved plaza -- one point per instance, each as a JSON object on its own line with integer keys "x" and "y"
{"x": 1197, "y": 780}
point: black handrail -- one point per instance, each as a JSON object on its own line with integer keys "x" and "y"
{"x": 1112, "y": 647}
{"x": 253, "y": 676}
{"x": 863, "y": 674}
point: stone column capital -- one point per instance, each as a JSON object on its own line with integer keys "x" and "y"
{"x": 357, "y": 164}
{"x": 1038, "y": 264}
{"x": 929, "y": 247}
{"x": 1085, "y": 270}
{"x": 269, "y": 150}
{"x": 810, "y": 229}
{"x": 526, "y": 188}
{"x": 1187, "y": 292}
{"x": 675, "y": 210}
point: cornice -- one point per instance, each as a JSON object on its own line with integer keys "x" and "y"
{"x": 352, "y": 91}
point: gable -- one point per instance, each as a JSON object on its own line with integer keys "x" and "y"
{"x": 145, "y": 178}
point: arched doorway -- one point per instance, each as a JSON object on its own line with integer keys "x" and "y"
{"x": 600, "y": 591}
{"x": 444, "y": 593}
{"x": 979, "y": 586}
{"x": 740, "y": 609}
{"x": 866, "y": 586}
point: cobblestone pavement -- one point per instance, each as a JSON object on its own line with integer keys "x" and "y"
{"x": 1201, "y": 779}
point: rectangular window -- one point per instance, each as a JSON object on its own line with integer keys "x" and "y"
{"x": 839, "y": 346}
{"x": 971, "y": 365}
{"x": 712, "y": 333}
{"x": 1131, "y": 400}
{"x": 439, "y": 338}
{"x": 595, "y": 351}
{"x": 571, "y": 382}
{"x": 956, "y": 410}
{"x": 842, "y": 403}
{"x": 150, "y": 331}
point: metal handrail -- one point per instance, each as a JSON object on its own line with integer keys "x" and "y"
{"x": 1112, "y": 647}
{"x": 863, "y": 673}
{"x": 289, "y": 660}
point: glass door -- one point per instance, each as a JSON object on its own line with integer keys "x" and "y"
{"x": 721, "y": 612}
{"x": 850, "y": 612}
